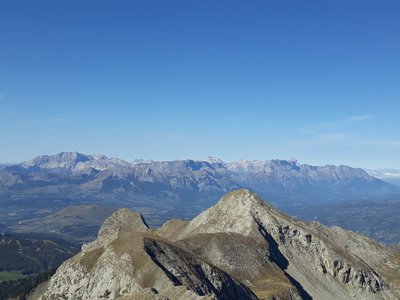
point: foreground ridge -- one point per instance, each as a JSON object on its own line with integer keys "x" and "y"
{"x": 241, "y": 248}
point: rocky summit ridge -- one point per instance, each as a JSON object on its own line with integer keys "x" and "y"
{"x": 241, "y": 248}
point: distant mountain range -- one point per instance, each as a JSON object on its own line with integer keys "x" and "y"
{"x": 167, "y": 189}
{"x": 80, "y": 173}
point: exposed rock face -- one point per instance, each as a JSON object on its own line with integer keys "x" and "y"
{"x": 341, "y": 262}
{"x": 73, "y": 162}
{"x": 196, "y": 274}
{"x": 121, "y": 219}
{"x": 245, "y": 258}
{"x": 241, "y": 248}
{"x": 128, "y": 262}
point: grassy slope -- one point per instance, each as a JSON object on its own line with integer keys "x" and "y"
{"x": 10, "y": 275}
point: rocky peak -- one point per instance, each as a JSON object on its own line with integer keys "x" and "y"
{"x": 66, "y": 160}
{"x": 305, "y": 248}
{"x": 124, "y": 218}
{"x": 244, "y": 197}
{"x": 121, "y": 219}
{"x": 214, "y": 160}
{"x": 127, "y": 261}
{"x": 73, "y": 162}
{"x": 235, "y": 212}
{"x": 237, "y": 249}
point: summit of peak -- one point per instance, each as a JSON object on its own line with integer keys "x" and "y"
{"x": 236, "y": 212}
{"x": 62, "y": 159}
{"x": 125, "y": 217}
{"x": 242, "y": 193}
{"x": 213, "y": 159}
{"x": 122, "y": 219}
{"x": 244, "y": 196}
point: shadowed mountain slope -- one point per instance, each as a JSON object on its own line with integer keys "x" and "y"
{"x": 33, "y": 253}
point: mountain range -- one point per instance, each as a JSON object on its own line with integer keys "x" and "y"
{"x": 161, "y": 190}
{"x": 240, "y": 248}
{"x": 80, "y": 174}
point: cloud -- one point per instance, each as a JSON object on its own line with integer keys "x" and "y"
{"x": 380, "y": 143}
{"x": 333, "y": 137}
{"x": 359, "y": 118}
{"x": 334, "y": 132}
{"x": 339, "y": 123}
{"x": 323, "y": 139}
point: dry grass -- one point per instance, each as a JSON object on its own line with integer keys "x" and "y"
{"x": 89, "y": 259}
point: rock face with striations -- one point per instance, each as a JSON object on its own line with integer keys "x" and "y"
{"x": 241, "y": 248}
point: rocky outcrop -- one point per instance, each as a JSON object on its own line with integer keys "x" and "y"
{"x": 246, "y": 259}
{"x": 241, "y": 248}
{"x": 194, "y": 273}
{"x": 128, "y": 262}
{"x": 341, "y": 262}
{"x": 121, "y": 219}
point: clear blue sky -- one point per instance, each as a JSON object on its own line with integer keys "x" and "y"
{"x": 314, "y": 80}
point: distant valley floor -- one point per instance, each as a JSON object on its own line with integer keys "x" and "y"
{"x": 376, "y": 219}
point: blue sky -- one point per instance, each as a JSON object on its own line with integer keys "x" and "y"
{"x": 314, "y": 80}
